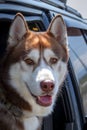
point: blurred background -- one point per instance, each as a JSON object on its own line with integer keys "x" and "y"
{"x": 80, "y": 5}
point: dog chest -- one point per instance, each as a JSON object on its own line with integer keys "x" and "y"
{"x": 31, "y": 123}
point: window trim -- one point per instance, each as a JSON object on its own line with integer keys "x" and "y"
{"x": 76, "y": 85}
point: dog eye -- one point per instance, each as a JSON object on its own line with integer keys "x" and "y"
{"x": 29, "y": 61}
{"x": 53, "y": 60}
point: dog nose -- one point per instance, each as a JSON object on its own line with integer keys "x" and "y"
{"x": 47, "y": 86}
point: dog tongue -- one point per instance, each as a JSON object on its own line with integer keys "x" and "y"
{"x": 44, "y": 100}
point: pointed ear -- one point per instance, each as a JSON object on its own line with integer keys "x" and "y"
{"x": 17, "y": 30}
{"x": 58, "y": 28}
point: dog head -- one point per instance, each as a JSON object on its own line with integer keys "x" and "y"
{"x": 36, "y": 63}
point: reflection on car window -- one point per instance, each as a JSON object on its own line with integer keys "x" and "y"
{"x": 78, "y": 52}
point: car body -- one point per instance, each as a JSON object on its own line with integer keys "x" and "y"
{"x": 70, "y": 112}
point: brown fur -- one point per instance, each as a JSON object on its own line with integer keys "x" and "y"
{"x": 8, "y": 120}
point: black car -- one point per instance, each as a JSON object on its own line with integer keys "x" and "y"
{"x": 70, "y": 111}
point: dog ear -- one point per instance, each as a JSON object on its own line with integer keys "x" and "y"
{"x": 17, "y": 30}
{"x": 58, "y": 28}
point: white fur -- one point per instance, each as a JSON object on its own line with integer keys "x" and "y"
{"x": 34, "y": 54}
{"x": 48, "y": 54}
{"x": 31, "y": 123}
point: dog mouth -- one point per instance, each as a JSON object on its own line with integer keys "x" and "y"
{"x": 44, "y": 100}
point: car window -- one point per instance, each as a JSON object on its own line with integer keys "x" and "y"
{"x": 78, "y": 55}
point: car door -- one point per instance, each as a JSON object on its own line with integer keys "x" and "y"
{"x": 78, "y": 55}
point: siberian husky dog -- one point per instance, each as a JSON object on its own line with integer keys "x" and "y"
{"x": 31, "y": 72}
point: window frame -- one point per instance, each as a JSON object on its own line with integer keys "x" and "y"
{"x": 83, "y": 118}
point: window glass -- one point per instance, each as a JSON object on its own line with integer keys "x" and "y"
{"x": 78, "y": 55}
